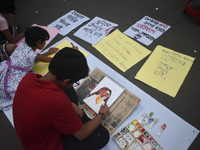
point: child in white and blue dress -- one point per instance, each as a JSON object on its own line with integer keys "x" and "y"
{"x": 21, "y": 62}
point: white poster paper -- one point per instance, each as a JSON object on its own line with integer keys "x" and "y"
{"x": 95, "y": 30}
{"x": 107, "y": 91}
{"x": 68, "y": 22}
{"x": 146, "y": 30}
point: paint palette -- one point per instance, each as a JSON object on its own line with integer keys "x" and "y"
{"x": 135, "y": 137}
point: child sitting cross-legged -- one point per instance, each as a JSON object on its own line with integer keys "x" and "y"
{"x": 21, "y": 62}
{"x": 8, "y": 32}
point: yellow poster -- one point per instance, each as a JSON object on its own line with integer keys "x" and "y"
{"x": 165, "y": 70}
{"x": 121, "y": 50}
{"x": 42, "y": 67}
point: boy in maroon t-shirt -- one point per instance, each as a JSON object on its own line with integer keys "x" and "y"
{"x": 45, "y": 110}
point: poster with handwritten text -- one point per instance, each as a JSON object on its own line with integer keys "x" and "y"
{"x": 68, "y": 22}
{"x": 42, "y": 67}
{"x": 95, "y": 30}
{"x": 121, "y": 50}
{"x": 165, "y": 70}
{"x": 146, "y": 30}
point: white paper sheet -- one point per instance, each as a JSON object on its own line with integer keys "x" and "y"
{"x": 95, "y": 30}
{"x": 68, "y": 22}
{"x": 95, "y": 99}
{"x": 146, "y": 30}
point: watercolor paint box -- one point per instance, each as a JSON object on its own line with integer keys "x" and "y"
{"x": 135, "y": 137}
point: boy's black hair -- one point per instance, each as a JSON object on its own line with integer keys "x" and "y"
{"x": 70, "y": 64}
{"x": 34, "y": 34}
{"x": 7, "y": 6}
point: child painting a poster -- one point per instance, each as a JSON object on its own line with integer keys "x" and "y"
{"x": 106, "y": 92}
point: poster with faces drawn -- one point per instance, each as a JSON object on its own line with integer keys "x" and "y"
{"x": 95, "y": 30}
{"x": 68, "y": 22}
{"x": 146, "y": 30}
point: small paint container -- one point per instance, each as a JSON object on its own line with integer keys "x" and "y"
{"x": 146, "y": 133}
{"x": 116, "y": 136}
{"x": 137, "y": 124}
{"x": 151, "y": 139}
{"x": 160, "y": 148}
{"x": 124, "y": 130}
{"x": 136, "y": 133}
{"x": 161, "y": 130}
{"x": 128, "y": 137}
{"x": 142, "y": 139}
{"x": 135, "y": 145}
{"x": 148, "y": 136}
{"x": 121, "y": 142}
{"x": 148, "y": 146}
{"x": 154, "y": 142}
{"x": 134, "y": 121}
{"x": 131, "y": 127}
{"x": 141, "y": 129}
{"x": 157, "y": 146}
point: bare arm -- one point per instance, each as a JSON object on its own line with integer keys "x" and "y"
{"x": 78, "y": 110}
{"x": 9, "y": 19}
{"x": 10, "y": 38}
{"x": 91, "y": 125}
{"x": 44, "y": 57}
{"x": 51, "y": 51}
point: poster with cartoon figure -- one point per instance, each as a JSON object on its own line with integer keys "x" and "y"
{"x": 107, "y": 91}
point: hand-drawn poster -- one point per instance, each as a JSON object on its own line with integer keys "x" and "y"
{"x": 42, "y": 67}
{"x": 68, "y": 22}
{"x": 106, "y": 92}
{"x": 52, "y": 32}
{"x": 146, "y": 30}
{"x": 121, "y": 50}
{"x": 95, "y": 30}
{"x": 165, "y": 70}
{"x": 122, "y": 107}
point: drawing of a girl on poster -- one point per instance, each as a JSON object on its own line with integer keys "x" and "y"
{"x": 102, "y": 94}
